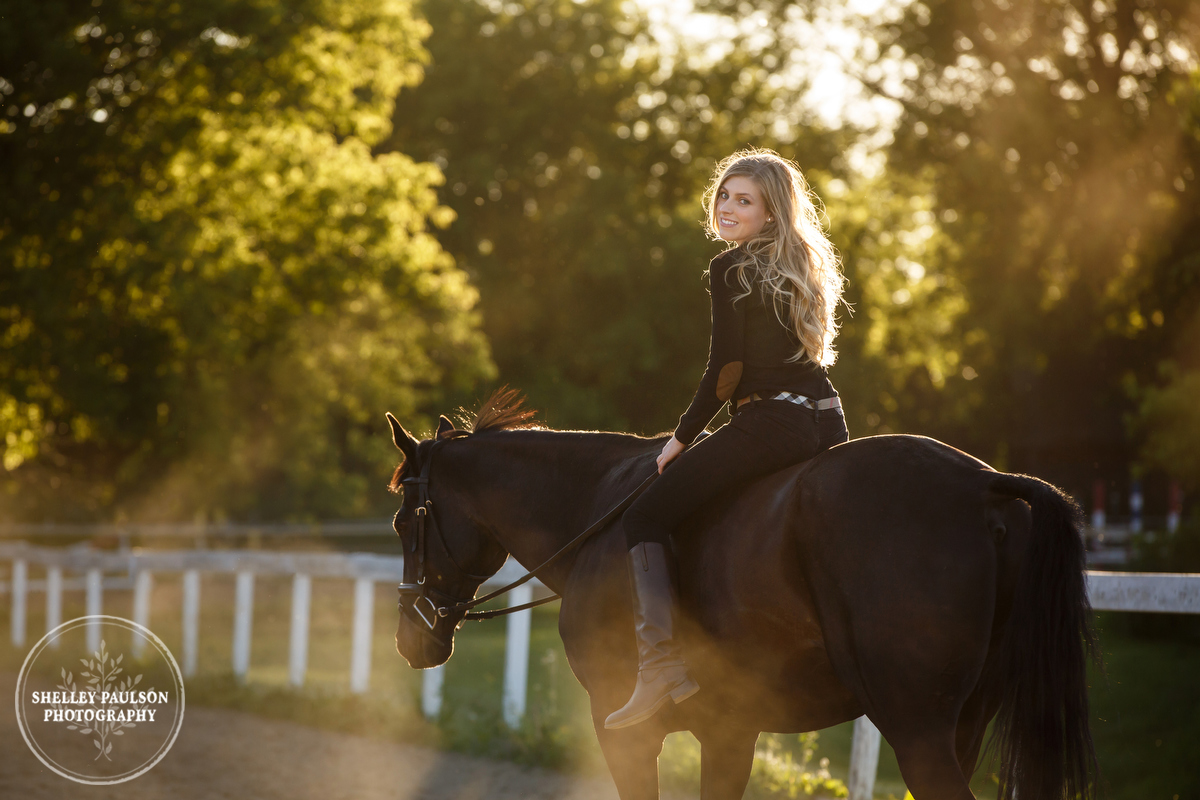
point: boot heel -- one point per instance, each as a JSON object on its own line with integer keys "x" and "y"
{"x": 684, "y": 691}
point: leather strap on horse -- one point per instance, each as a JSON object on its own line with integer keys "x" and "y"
{"x": 595, "y": 527}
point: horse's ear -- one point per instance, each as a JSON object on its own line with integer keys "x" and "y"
{"x": 445, "y": 427}
{"x": 402, "y": 438}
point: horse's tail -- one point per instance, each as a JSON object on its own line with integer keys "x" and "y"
{"x": 1042, "y": 736}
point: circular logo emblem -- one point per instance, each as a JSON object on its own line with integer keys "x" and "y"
{"x": 100, "y": 700}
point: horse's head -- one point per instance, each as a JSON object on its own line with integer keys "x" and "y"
{"x": 448, "y": 554}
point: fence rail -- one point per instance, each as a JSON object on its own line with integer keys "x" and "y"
{"x": 198, "y": 530}
{"x": 1108, "y": 591}
{"x": 135, "y": 569}
{"x": 1161, "y": 592}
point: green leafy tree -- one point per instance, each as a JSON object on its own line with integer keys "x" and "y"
{"x": 904, "y": 357}
{"x": 1053, "y": 137}
{"x": 575, "y": 149}
{"x": 1168, "y": 415}
{"x": 1171, "y": 415}
{"x": 211, "y": 287}
{"x": 1066, "y": 177}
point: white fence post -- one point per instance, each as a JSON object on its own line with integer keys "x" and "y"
{"x": 19, "y": 579}
{"x": 191, "y": 620}
{"x": 95, "y": 586}
{"x": 298, "y": 645}
{"x": 431, "y": 690}
{"x": 360, "y": 648}
{"x": 143, "y": 583}
{"x": 864, "y": 760}
{"x": 516, "y": 656}
{"x": 243, "y": 616}
{"x": 53, "y": 600}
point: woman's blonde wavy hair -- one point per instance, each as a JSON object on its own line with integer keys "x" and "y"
{"x": 790, "y": 259}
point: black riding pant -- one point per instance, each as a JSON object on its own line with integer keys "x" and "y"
{"x": 764, "y": 436}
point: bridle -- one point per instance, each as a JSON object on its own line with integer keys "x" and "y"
{"x": 420, "y": 592}
{"x": 429, "y": 604}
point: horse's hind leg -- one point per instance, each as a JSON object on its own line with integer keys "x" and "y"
{"x": 726, "y": 758}
{"x": 930, "y": 767}
{"x": 938, "y": 764}
{"x": 972, "y": 728}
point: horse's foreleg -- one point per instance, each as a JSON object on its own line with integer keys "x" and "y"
{"x": 726, "y": 758}
{"x": 632, "y": 758}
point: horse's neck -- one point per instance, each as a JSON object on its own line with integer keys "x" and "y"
{"x": 549, "y": 486}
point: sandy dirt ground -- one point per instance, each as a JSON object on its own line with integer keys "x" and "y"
{"x": 228, "y": 754}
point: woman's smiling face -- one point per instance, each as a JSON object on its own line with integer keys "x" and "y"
{"x": 741, "y": 212}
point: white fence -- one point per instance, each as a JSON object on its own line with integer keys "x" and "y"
{"x": 1108, "y": 591}
{"x": 199, "y": 531}
{"x": 135, "y": 570}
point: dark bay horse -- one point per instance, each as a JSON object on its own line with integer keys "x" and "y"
{"x": 891, "y": 576}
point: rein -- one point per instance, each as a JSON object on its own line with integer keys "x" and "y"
{"x": 595, "y": 527}
{"x": 421, "y": 593}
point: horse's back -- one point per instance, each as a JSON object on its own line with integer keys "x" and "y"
{"x": 905, "y": 497}
{"x": 909, "y": 497}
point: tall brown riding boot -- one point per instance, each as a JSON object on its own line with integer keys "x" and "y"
{"x": 662, "y": 673}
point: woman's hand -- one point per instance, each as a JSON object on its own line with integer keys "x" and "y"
{"x": 670, "y": 450}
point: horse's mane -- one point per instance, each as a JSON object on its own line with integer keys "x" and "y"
{"x": 501, "y": 412}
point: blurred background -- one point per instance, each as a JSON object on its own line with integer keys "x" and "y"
{"x": 233, "y": 233}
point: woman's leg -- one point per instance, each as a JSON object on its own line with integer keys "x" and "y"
{"x": 756, "y": 442}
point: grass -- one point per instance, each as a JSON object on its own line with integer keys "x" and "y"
{"x": 1145, "y": 722}
{"x": 1146, "y": 713}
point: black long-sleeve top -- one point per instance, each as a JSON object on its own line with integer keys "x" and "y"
{"x": 748, "y": 353}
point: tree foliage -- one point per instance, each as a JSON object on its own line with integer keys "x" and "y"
{"x": 236, "y": 232}
{"x": 1067, "y": 175}
{"x": 575, "y": 150}
{"x": 1056, "y": 141}
{"x": 212, "y": 286}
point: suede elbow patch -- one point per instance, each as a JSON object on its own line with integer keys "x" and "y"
{"x": 728, "y": 379}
